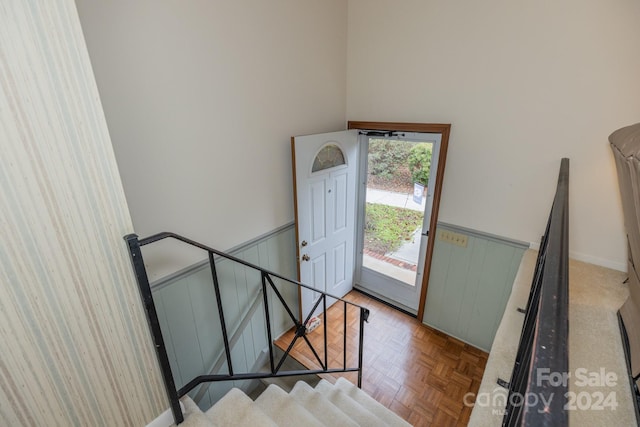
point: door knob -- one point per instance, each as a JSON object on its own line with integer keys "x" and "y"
{"x": 305, "y": 257}
{"x": 304, "y": 243}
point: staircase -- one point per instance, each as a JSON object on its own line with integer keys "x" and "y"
{"x": 339, "y": 404}
{"x": 269, "y": 291}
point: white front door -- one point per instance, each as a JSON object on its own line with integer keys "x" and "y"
{"x": 325, "y": 170}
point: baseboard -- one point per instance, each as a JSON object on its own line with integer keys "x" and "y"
{"x": 458, "y": 338}
{"x": 165, "y": 419}
{"x": 589, "y": 259}
{"x": 381, "y": 299}
{"x": 598, "y": 261}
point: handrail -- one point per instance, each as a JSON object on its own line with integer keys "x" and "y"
{"x": 536, "y": 396}
{"x": 267, "y": 276}
{"x": 166, "y": 234}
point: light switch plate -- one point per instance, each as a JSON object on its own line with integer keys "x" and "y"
{"x": 457, "y": 239}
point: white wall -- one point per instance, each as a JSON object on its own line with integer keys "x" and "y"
{"x": 201, "y": 99}
{"x": 523, "y": 84}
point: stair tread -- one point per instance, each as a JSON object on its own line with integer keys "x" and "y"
{"x": 357, "y": 412}
{"x": 284, "y": 410}
{"x": 318, "y": 405}
{"x": 368, "y": 402}
{"x": 342, "y": 404}
{"x": 193, "y": 416}
{"x": 236, "y": 409}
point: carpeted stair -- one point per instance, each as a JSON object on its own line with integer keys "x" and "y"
{"x": 340, "y": 404}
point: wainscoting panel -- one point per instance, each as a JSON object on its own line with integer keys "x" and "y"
{"x": 469, "y": 285}
{"x": 189, "y": 317}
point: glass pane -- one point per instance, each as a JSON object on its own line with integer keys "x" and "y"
{"x": 398, "y": 174}
{"x": 330, "y": 156}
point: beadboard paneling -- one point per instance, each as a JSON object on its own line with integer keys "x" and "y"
{"x": 75, "y": 349}
{"x": 469, "y": 286}
{"x": 189, "y": 317}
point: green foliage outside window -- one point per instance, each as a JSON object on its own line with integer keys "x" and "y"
{"x": 420, "y": 162}
{"x": 385, "y": 156}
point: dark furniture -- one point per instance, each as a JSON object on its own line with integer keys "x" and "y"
{"x": 625, "y": 144}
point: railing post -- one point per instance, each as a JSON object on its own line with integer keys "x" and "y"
{"x": 223, "y": 325}
{"x": 364, "y": 315}
{"x": 324, "y": 308}
{"x": 344, "y": 338}
{"x": 266, "y": 313}
{"x": 154, "y": 324}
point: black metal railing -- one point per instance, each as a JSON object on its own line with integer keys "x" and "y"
{"x": 538, "y": 385}
{"x": 267, "y": 283}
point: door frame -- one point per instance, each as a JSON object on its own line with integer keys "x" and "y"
{"x": 381, "y": 284}
{"x": 295, "y": 216}
{"x": 444, "y": 129}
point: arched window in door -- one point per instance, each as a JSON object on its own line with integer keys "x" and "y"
{"x": 329, "y": 156}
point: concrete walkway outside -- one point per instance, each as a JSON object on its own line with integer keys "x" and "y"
{"x": 390, "y": 198}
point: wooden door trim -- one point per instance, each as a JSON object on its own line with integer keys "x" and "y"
{"x": 444, "y": 129}
{"x": 295, "y": 216}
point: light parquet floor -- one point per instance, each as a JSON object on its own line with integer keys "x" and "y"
{"x": 419, "y": 373}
